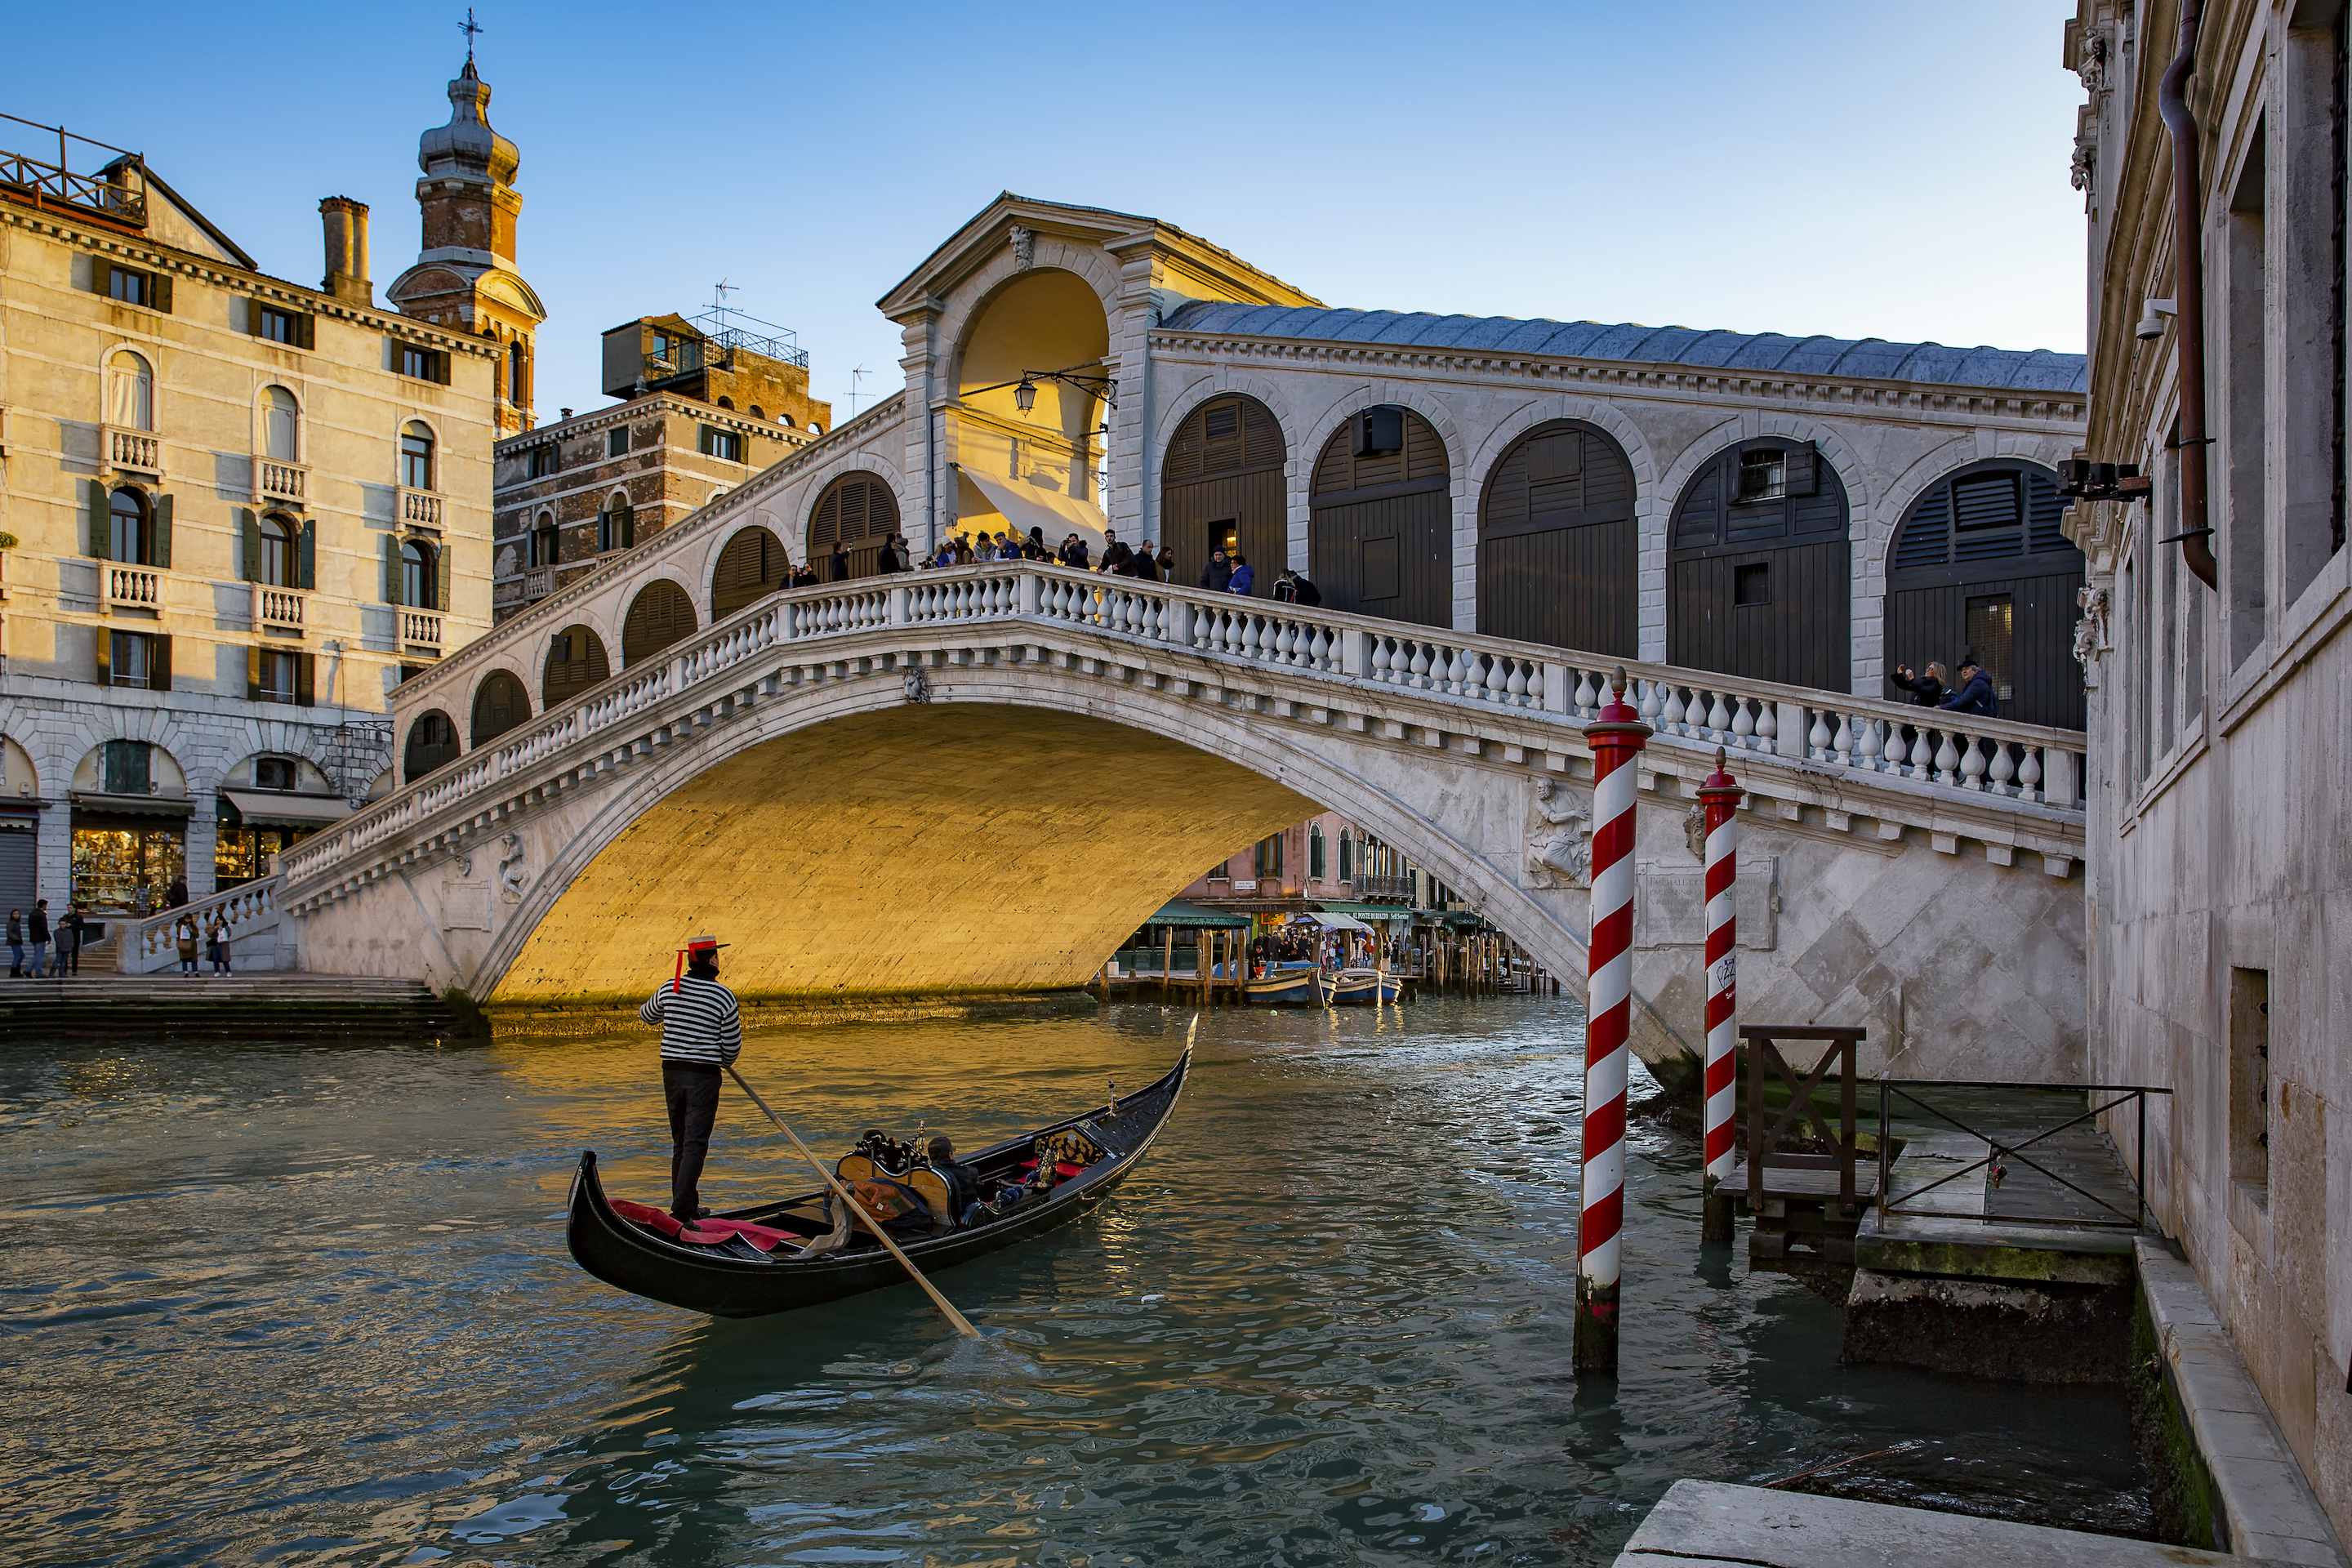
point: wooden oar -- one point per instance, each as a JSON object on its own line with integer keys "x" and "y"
{"x": 963, "y": 1324}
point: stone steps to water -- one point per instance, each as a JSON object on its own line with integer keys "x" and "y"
{"x": 240, "y": 1007}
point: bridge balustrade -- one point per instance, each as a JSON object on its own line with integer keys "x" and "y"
{"x": 1989, "y": 760}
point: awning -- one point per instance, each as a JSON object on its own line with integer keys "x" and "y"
{"x": 268, "y": 808}
{"x": 1369, "y": 911}
{"x": 1331, "y": 921}
{"x": 1178, "y": 912}
{"x": 98, "y": 802}
{"x": 1028, "y": 506}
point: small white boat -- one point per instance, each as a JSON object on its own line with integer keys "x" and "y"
{"x": 1361, "y": 988}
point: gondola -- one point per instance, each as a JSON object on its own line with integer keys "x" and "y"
{"x": 733, "y": 1275}
{"x": 1361, "y": 988}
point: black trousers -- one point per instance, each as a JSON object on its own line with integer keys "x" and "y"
{"x": 692, "y": 1091}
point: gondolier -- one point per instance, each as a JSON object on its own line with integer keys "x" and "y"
{"x": 702, "y": 1033}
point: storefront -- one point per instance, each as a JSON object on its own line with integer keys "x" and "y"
{"x": 128, "y": 850}
{"x": 256, "y": 824}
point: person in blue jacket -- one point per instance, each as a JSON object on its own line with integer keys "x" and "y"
{"x": 1244, "y": 575}
{"x": 1975, "y": 694}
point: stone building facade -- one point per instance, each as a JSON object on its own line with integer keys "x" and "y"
{"x": 240, "y": 509}
{"x": 702, "y": 410}
{"x": 2219, "y": 839}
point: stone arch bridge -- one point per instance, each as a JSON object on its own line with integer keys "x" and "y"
{"x": 983, "y": 779}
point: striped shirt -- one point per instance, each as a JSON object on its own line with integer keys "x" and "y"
{"x": 698, "y": 1023}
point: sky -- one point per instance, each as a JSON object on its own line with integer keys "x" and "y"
{"x": 1887, "y": 168}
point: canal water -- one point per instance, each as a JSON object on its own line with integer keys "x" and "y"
{"x": 311, "y": 1304}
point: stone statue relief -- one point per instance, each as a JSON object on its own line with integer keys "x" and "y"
{"x": 1025, "y": 246}
{"x": 2090, "y": 628}
{"x": 1559, "y": 839}
{"x": 511, "y": 877}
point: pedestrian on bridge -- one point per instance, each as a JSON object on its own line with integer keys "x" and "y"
{"x": 1244, "y": 577}
{"x": 1218, "y": 574}
{"x": 1975, "y": 694}
{"x": 702, "y": 1033}
{"x": 1927, "y": 688}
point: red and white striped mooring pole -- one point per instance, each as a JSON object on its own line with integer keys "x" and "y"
{"x": 1616, "y": 738}
{"x": 1719, "y": 795}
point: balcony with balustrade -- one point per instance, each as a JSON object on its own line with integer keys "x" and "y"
{"x": 130, "y": 454}
{"x": 280, "y": 483}
{"x": 123, "y": 586}
{"x": 277, "y": 609}
{"x": 420, "y": 509}
{"x": 420, "y": 632}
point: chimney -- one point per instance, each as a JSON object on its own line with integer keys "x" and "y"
{"x": 346, "y": 223}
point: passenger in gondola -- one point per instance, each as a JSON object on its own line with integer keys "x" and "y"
{"x": 963, "y": 1186}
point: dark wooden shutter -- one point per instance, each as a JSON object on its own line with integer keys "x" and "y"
{"x": 307, "y": 566}
{"x": 101, "y": 522}
{"x": 306, "y": 331}
{"x": 162, "y": 514}
{"x": 105, "y": 657}
{"x": 661, "y": 615}
{"x": 572, "y": 669}
{"x": 159, "y": 290}
{"x": 249, "y": 529}
{"x": 628, "y": 524}
{"x": 159, "y": 663}
{"x": 750, "y": 567}
{"x": 392, "y": 569}
{"x": 1803, "y": 470}
{"x": 305, "y": 692}
{"x": 253, "y": 674}
{"x": 441, "y": 579}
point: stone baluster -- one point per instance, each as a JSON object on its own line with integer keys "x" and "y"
{"x": 2002, "y": 771}
{"x": 1673, "y": 714}
{"x": 1841, "y": 743}
{"x": 1947, "y": 760}
{"x": 1585, "y": 694}
{"x": 1866, "y": 753}
{"x": 1718, "y": 716}
{"x": 1972, "y": 766}
{"x": 2029, "y": 773}
{"x": 1743, "y": 722}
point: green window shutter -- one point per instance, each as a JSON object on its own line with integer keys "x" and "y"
{"x": 249, "y": 529}
{"x": 105, "y": 657}
{"x": 441, "y": 358}
{"x": 307, "y": 568}
{"x": 253, "y": 318}
{"x": 628, "y": 525}
{"x": 441, "y": 582}
{"x": 162, "y": 531}
{"x": 392, "y": 569}
{"x": 99, "y": 281}
{"x": 159, "y": 663}
{"x": 253, "y": 674}
{"x": 159, "y": 284}
{"x": 306, "y": 331}
{"x": 303, "y": 690}
{"x": 101, "y": 525}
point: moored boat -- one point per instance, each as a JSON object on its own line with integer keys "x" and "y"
{"x": 1299, "y": 987}
{"x": 1361, "y": 988}
{"x": 742, "y": 1264}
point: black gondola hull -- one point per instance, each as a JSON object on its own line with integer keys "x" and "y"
{"x": 682, "y": 1275}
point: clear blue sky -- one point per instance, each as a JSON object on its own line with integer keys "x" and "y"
{"x": 1895, "y": 168}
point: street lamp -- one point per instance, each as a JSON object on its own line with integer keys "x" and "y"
{"x": 1024, "y": 397}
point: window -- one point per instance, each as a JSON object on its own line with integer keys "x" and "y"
{"x": 544, "y": 541}
{"x": 540, "y": 462}
{"x": 1992, "y": 621}
{"x": 281, "y": 425}
{"x": 665, "y": 348}
{"x": 1315, "y": 852}
{"x": 273, "y": 679}
{"x": 281, "y": 326}
{"x": 273, "y": 773}
{"x": 127, "y": 768}
{"x": 617, "y": 442}
{"x": 276, "y": 565}
{"x": 727, "y": 444}
{"x": 726, "y": 403}
{"x": 514, "y": 372}
{"x": 2249, "y": 1081}
{"x": 129, "y": 392}
{"x": 757, "y": 412}
{"x": 129, "y": 539}
{"x": 423, "y": 363}
{"x": 418, "y": 583}
{"x": 2243, "y": 546}
{"x": 1763, "y": 474}
{"x": 1752, "y": 584}
{"x": 1268, "y": 856}
{"x": 134, "y": 659}
{"x": 415, "y": 456}
{"x": 131, "y": 285}
{"x": 617, "y": 526}
{"x": 1347, "y": 858}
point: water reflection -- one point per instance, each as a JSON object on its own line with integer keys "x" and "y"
{"x": 313, "y": 1303}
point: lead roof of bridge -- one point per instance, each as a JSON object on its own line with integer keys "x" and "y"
{"x": 2017, "y": 370}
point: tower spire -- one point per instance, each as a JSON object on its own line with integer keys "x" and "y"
{"x": 471, "y": 29}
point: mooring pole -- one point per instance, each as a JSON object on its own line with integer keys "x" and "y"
{"x": 1616, "y": 737}
{"x": 1719, "y": 795}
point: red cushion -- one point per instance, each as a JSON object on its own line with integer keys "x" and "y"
{"x": 660, "y": 1221}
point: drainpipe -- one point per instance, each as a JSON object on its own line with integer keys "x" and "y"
{"x": 2196, "y": 535}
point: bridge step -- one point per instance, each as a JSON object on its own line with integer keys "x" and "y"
{"x": 231, "y": 1008}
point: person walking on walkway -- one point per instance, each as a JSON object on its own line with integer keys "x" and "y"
{"x": 17, "y": 943}
{"x": 216, "y": 935}
{"x": 702, "y": 1032}
{"x": 71, "y": 934}
{"x": 1975, "y": 694}
{"x": 184, "y": 934}
{"x": 36, "y": 937}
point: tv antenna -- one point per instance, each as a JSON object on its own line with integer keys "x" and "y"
{"x": 854, "y": 377}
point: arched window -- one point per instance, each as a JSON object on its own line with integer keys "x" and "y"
{"x": 1558, "y": 557}
{"x": 500, "y": 704}
{"x": 1347, "y": 856}
{"x": 514, "y": 372}
{"x": 659, "y": 616}
{"x": 757, "y": 412}
{"x": 415, "y": 456}
{"x": 576, "y": 661}
{"x": 431, "y": 742}
{"x": 131, "y": 535}
{"x": 856, "y": 512}
{"x": 281, "y": 425}
{"x": 616, "y": 524}
{"x": 1381, "y": 531}
{"x": 420, "y": 583}
{"x": 1315, "y": 851}
{"x": 276, "y": 564}
{"x": 544, "y": 541}
{"x": 815, "y": 428}
{"x": 129, "y": 392}
{"x": 1756, "y": 578}
{"x": 728, "y": 404}
{"x": 750, "y": 567}
{"x": 1979, "y": 565}
{"x": 1220, "y": 487}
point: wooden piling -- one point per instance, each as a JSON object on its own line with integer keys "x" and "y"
{"x": 1166, "y": 959}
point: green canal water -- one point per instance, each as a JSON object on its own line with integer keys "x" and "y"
{"x": 312, "y": 1305}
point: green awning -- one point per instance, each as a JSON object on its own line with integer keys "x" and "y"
{"x": 1365, "y": 911}
{"x": 1178, "y": 912}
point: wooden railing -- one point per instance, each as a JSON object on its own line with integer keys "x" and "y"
{"x": 1765, "y": 1155}
{"x": 53, "y": 181}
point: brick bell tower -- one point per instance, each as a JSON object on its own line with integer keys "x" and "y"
{"x": 465, "y": 275}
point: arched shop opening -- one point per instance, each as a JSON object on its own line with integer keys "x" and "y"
{"x": 751, "y": 566}
{"x": 1980, "y": 566}
{"x": 1557, "y": 556}
{"x": 431, "y": 742}
{"x": 1027, "y": 434}
{"x": 1756, "y": 577}
{"x": 576, "y": 661}
{"x": 858, "y": 513}
{"x": 1381, "y": 524}
{"x": 659, "y": 616}
{"x": 131, "y": 811}
{"x": 269, "y": 801}
{"x": 500, "y": 704}
{"x": 1220, "y": 487}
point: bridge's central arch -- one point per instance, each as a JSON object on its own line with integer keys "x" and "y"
{"x": 924, "y": 848}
